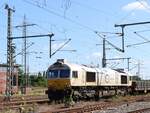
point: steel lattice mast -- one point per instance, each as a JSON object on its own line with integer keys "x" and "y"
{"x": 10, "y": 52}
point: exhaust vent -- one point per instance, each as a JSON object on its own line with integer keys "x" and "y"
{"x": 61, "y": 60}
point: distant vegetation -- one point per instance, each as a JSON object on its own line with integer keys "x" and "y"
{"x": 37, "y": 81}
{"x": 33, "y": 80}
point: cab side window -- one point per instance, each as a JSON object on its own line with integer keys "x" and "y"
{"x": 123, "y": 79}
{"x": 74, "y": 74}
{"x": 90, "y": 77}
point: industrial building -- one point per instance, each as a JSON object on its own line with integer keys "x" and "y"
{"x": 3, "y": 74}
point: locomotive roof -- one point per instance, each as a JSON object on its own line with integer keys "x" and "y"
{"x": 78, "y": 67}
{"x": 81, "y": 67}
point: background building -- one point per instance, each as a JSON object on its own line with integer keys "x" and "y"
{"x": 3, "y": 73}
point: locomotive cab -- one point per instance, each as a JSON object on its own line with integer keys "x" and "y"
{"x": 58, "y": 76}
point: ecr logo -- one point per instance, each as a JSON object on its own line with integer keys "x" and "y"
{"x": 106, "y": 78}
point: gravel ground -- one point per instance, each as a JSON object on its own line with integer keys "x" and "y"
{"x": 119, "y": 109}
{"x": 126, "y": 108}
{"x": 44, "y": 108}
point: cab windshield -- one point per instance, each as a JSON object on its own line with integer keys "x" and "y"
{"x": 58, "y": 74}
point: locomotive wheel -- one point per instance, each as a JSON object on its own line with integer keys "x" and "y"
{"x": 96, "y": 96}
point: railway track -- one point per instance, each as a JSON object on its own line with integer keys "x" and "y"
{"x": 22, "y": 101}
{"x": 85, "y": 109}
{"x": 101, "y": 105}
{"x": 90, "y": 108}
{"x": 141, "y": 111}
{"x": 27, "y": 101}
{"x": 23, "y": 97}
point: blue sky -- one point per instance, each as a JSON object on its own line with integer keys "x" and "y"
{"x": 78, "y": 20}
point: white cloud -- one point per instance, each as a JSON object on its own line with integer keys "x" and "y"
{"x": 139, "y": 5}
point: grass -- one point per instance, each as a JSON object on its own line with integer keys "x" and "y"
{"x": 33, "y": 91}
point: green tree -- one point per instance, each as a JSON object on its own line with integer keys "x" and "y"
{"x": 20, "y": 77}
{"x": 33, "y": 79}
{"x": 38, "y": 81}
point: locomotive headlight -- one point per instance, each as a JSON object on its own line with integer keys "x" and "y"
{"x": 67, "y": 85}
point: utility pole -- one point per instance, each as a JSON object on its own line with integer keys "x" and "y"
{"x": 10, "y": 60}
{"x": 24, "y": 34}
{"x": 25, "y": 51}
{"x": 104, "y": 54}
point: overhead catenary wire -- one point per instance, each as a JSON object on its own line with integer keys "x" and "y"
{"x": 93, "y": 8}
{"x": 115, "y": 64}
{"x": 23, "y": 50}
{"x": 44, "y": 29}
{"x": 141, "y": 50}
{"x": 133, "y": 38}
{"x": 140, "y": 43}
{"x": 60, "y": 48}
{"x": 59, "y": 15}
{"x": 114, "y": 46}
{"x": 41, "y": 27}
{"x": 143, "y": 31}
{"x": 68, "y": 4}
{"x": 141, "y": 36}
